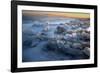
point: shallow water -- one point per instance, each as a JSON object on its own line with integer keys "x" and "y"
{"x": 38, "y": 46}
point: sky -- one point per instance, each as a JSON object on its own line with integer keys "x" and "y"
{"x": 56, "y": 14}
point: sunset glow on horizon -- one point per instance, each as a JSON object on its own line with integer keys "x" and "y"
{"x": 57, "y": 14}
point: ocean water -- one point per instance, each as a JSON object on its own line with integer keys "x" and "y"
{"x": 58, "y": 39}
